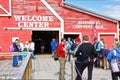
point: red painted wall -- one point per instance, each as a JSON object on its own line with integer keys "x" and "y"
{"x": 21, "y": 10}
{"x": 4, "y": 4}
{"x": 29, "y": 10}
{"x": 108, "y": 39}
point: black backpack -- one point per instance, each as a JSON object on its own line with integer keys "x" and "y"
{"x": 73, "y": 47}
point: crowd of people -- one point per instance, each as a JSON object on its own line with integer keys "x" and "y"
{"x": 86, "y": 55}
{"x": 19, "y": 46}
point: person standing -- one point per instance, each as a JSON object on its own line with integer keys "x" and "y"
{"x": 53, "y": 45}
{"x": 42, "y": 46}
{"x": 62, "y": 58}
{"x": 110, "y": 56}
{"x": 103, "y": 53}
{"x": 21, "y": 46}
{"x": 98, "y": 49}
{"x": 74, "y": 46}
{"x": 26, "y": 46}
{"x": 87, "y": 52}
{"x": 16, "y": 45}
{"x": 69, "y": 45}
{"x": 116, "y": 40}
{"x": 32, "y": 48}
{"x": 102, "y": 43}
{"x": 77, "y": 58}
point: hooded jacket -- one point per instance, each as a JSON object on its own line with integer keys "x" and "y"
{"x": 111, "y": 54}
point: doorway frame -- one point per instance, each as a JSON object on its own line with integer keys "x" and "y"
{"x": 48, "y": 29}
{"x": 74, "y": 33}
{"x": 115, "y": 35}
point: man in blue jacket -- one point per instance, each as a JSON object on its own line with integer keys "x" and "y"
{"x": 53, "y": 44}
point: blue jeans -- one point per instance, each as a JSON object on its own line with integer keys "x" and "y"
{"x": 33, "y": 55}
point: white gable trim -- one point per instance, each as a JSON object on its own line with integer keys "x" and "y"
{"x": 10, "y": 11}
{"x": 56, "y": 14}
{"x": 36, "y": 29}
{"x": 115, "y": 35}
{"x": 118, "y": 30}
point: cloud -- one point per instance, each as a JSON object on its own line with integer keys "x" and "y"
{"x": 112, "y": 11}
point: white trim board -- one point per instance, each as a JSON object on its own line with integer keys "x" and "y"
{"x": 79, "y": 33}
{"x": 8, "y": 13}
{"x": 36, "y": 29}
{"x": 56, "y": 14}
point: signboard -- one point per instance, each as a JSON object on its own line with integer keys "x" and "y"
{"x": 88, "y": 25}
{"x": 27, "y": 21}
{"x": 83, "y": 25}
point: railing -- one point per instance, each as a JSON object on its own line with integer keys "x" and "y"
{"x": 24, "y": 71}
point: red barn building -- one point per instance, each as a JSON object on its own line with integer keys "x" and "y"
{"x": 41, "y": 20}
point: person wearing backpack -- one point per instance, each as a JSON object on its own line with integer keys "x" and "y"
{"x": 69, "y": 45}
{"x": 110, "y": 56}
{"x": 78, "y": 57}
{"x": 87, "y": 52}
{"x": 14, "y": 46}
{"x": 98, "y": 49}
{"x": 74, "y": 45}
{"x": 11, "y": 48}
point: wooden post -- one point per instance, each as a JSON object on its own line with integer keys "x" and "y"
{"x": 72, "y": 69}
{"x": 104, "y": 62}
{"x": 28, "y": 71}
{"x": 30, "y": 68}
{"x": 25, "y": 75}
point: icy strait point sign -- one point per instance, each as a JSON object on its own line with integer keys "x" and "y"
{"x": 88, "y": 25}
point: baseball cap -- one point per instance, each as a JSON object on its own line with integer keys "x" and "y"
{"x": 77, "y": 39}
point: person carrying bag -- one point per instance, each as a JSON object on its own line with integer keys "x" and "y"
{"x": 114, "y": 62}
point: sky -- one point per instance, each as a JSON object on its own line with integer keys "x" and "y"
{"x": 109, "y": 8}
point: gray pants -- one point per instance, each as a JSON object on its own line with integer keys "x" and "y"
{"x": 62, "y": 68}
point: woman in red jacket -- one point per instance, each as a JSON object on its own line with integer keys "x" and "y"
{"x": 62, "y": 55}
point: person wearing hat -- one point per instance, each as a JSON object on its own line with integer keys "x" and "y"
{"x": 77, "y": 42}
{"x": 86, "y": 53}
{"x": 74, "y": 46}
{"x": 73, "y": 50}
{"x": 77, "y": 58}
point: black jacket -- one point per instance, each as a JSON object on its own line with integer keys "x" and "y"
{"x": 86, "y": 50}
